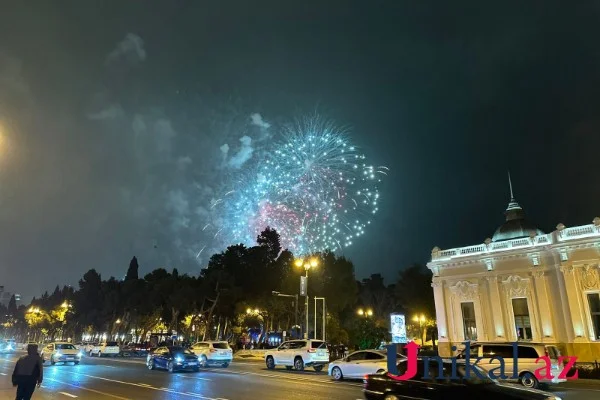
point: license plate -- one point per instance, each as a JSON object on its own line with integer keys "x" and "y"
{"x": 223, "y": 353}
{"x": 320, "y": 353}
{"x": 193, "y": 363}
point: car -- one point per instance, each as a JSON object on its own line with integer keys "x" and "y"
{"x": 6, "y": 346}
{"x": 105, "y": 349}
{"x": 61, "y": 352}
{"x": 527, "y": 354}
{"x": 438, "y": 384}
{"x": 297, "y": 354}
{"x": 213, "y": 353}
{"x": 359, "y": 364}
{"x": 172, "y": 358}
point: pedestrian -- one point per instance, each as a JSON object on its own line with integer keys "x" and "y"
{"x": 28, "y": 372}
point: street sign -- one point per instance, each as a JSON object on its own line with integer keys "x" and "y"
{"x": 302, "y": 286}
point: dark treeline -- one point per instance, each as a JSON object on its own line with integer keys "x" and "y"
{"x": 233, "y": 293}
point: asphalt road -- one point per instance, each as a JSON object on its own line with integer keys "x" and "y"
{"x": 129, "y": 379}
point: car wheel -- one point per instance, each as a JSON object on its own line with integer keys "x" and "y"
{"x": 391, "y": 397}
{"x": 299, "y": 364}
{"x": 150, "y": 364}
{"x": 225, "y": 365}
{"x": 380, "y": 371}
{"x": 318, "y": 368}
{"x": 336, "y": 373}
{"x": 204, "y": 361}
{"x": 52, "y": 362}
{"x": 170, "y": 367}
{"x": 270, "y": 362}
{"x": 529, "y": 380}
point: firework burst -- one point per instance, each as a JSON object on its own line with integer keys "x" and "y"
{"x": 313, "y": 187}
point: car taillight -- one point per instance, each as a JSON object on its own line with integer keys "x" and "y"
{"x": 311, "y": 351}
{"x": 213, "y": 350}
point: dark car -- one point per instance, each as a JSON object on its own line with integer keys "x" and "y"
{"x": 383, "y": 386}
{"x": 173, "y": 358}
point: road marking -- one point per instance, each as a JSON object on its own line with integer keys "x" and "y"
{"x": 145, "y": 386}
{"x": 68, "y": 394}
{"x": 109, "y": 366}
{"x": 3, "y": 374}
{"x": 87, "y": 389}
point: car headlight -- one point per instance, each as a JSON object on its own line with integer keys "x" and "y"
{"x": 80, "y": 354}
{"x": 179, "y": 359}
{"x": 553, "y": 398}
{"x": 57, "y": 354}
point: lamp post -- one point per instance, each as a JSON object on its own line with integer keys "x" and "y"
{"x": 293, "y": 296}
{"x": 307, "y": 264}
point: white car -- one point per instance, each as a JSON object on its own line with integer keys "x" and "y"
{"x": 105, "y": 349}
{"x": 61, "y": 352}
{"x": 359, "y": 364}
{"x": 211, "y": 353}
{"x": 299, "y": 354}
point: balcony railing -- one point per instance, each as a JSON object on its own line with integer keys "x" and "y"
{"x": 566, "y": 234}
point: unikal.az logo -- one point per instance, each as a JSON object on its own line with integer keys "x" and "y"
{"x": 412, "y": 351}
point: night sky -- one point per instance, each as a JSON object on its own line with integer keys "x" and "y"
{"x": 112, "y": 115}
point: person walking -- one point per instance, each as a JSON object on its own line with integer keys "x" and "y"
{"x": 28, "y": 372}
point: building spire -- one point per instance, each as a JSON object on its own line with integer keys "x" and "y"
{"x": 512, "y": 196}
{"x": 512, "y": 205}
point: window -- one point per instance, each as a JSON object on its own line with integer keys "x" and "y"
{"x": 374, "y": 356}
{"x": 469, "y": 325}
{"x": 594, "y": 302}
{"x": 65, "y": 347}
{"x": 297, "y": 344}
{"x": 221, "y": 345}
{"x": 528, "y": 352}
{"x": 496, "y": 351}
{"x": 522, "y": 322}
{"x": 361, "y": 355}
{"x": 317, "y": 344}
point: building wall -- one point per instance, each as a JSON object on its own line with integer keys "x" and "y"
{"x": 554, "y": 274}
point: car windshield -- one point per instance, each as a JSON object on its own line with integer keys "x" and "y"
{"x": 112, "y": 344}
{"x": 553, "y": 352}
{"x": 61, "y": 346}
{"x": 318, "y": 345}
{"x": 473, "y": 379}
{"x": 221, "y": 345}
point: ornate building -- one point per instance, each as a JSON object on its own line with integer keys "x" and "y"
{"x": 524, "y": 285}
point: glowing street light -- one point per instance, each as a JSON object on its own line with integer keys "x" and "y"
{"x": 118, "y": 321}
{"x": 365, "y": 313}
{"x": 307, "y": 264}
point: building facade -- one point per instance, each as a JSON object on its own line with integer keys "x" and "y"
{"x": 522, "y": 285}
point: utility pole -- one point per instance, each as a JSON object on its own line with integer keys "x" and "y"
{"x": 324, "y": 317}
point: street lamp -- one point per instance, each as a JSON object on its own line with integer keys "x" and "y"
{"x": 365, "y": 313}
{"x": 307, "y": 264}
{"x": 293, "y": 296}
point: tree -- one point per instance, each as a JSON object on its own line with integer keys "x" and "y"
{"x": 132, "y": 271}
{"x": 12, "y": 306}
{"x": 414, "y": 292}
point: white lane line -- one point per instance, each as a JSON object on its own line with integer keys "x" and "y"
{"x": 87, "y": 389}
{"x": 68, "y": 394}
{"x": 3, "y": 374}
{"x": 109, "y": 366}
{"x": 143, "y": 386}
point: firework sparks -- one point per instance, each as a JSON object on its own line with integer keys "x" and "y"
{"x": 314, "y": 188}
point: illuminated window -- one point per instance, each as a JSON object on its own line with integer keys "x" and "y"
{"x": 522, "y": 321}
{"x": 594, "y": 302}
{"x": 469, "y": 324}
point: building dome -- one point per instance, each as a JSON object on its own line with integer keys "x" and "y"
{"x": 516, "y": 226}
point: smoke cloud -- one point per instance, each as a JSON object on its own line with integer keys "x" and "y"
{"x": 131, "y": 49}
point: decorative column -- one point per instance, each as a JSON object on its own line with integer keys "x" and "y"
{"x": 545, "y": 316}
{"x": 499, "y": 323}
{"x": 441, "y": 318}
{"x": 573, "y": 295}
